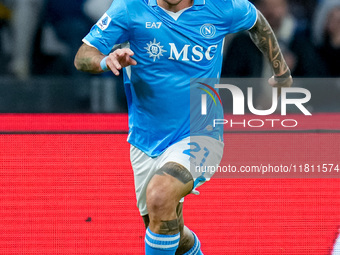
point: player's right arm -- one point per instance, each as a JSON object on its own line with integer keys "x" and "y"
{"x": 88, "y": 59}
{"x": 112, "y": 28}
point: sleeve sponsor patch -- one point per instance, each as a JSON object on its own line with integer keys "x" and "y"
{"x": 104, "y": 22}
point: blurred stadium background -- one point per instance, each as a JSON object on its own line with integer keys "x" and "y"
{"x": 66, "y": 184}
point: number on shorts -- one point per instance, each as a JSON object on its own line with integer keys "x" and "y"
{"x": 194, "y": 147}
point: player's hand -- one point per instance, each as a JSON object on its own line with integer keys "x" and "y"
{"x": 278, "y": 83}
{"x": 120, "y": 58}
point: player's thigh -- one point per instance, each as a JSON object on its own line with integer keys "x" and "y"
{"x": 160, "y": 175}
{"x": 169, "y": 184}
{"x": 144, "y": 168}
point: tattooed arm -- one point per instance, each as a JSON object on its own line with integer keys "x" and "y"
{"x": 88, "y": 59}
{"x": 264, "y": 38}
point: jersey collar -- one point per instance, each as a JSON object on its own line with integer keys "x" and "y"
{"x": 196, "y": 2}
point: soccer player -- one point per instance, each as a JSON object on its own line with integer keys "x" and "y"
{"x": 170, "y": 42}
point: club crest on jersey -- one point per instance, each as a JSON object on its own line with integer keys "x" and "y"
{"x": 104, "y": 22}
{"x": 208, "y": 30}
{"x": 155, "y": 50}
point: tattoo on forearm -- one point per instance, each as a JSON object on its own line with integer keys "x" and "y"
{"x": 87, "y": 59}
{"x": 176, "y": 170}
{"x": 264, "y": 38}
{"x": 85, "y": 64}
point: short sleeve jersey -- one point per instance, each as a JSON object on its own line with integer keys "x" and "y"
{"x": 171, "y": 50}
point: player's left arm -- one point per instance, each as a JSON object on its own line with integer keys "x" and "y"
{"x": 264, "y": 38}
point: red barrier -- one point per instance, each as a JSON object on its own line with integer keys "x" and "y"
{"x": 73, "y": 193}
{"x": 119, "y": 122}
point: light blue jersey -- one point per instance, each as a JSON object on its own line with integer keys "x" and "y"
{"x": 170, "y": 50}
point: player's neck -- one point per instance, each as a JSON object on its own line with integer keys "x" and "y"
{"x": 175, "y": 5}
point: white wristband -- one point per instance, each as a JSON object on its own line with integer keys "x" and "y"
{"x": 103, "y": 65}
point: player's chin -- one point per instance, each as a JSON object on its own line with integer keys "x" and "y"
{"x": 172, "y": 2}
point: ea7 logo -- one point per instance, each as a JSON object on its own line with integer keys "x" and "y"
{"x": 153, "y": 24}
